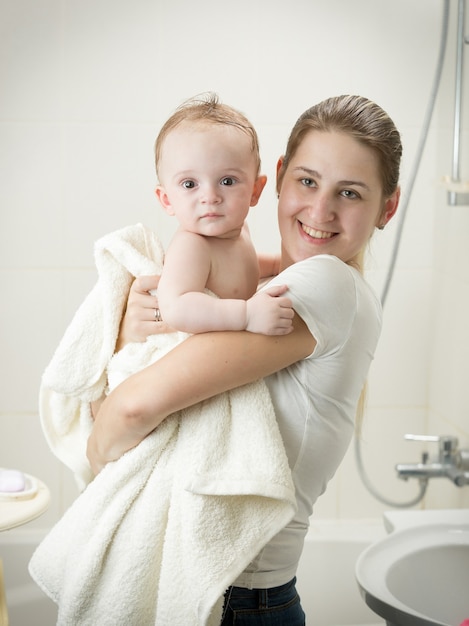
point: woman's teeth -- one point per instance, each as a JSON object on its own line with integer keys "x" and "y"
{"x": 317, "y": 234}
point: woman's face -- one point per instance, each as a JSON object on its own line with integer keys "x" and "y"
{"x": 331, "y": 198}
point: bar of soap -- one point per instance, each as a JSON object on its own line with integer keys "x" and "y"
{"x": 12, "y": 481}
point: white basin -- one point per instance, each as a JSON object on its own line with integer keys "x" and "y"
{"x": 419, "y": 574}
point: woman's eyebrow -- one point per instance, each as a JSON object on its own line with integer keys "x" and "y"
{"x": 356, "y": 183}
{"x": 316, "y": 174}
{"x": 306, "y": 170}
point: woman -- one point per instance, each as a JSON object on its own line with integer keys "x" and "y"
{"x": 337, "y": 182}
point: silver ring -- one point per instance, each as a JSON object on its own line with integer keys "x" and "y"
{"x": 158, "y": 317}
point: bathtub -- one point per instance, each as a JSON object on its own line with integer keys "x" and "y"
{"x": 326, "y": 576}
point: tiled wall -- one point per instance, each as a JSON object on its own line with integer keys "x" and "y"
{"x": 84, "y": 88}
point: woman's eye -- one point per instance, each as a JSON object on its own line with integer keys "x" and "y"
{"x": 228, "y": 180}
{"x": 188, "y": 184}
{"x": 348, "y": 193}
{"x": 308, "y": 182}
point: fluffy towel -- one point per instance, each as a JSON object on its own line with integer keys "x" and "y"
{"x": 77, "y": 373}
{"x": 158, "y": 535}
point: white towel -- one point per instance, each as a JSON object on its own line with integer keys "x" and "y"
{"x": 160, "y": 534}
{"x": 76, "y": 374}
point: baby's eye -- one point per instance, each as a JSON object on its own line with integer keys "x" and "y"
{"x": 188, "y": 184}
{"x": 228, "y": 180}
{"x": 348, "y": 193}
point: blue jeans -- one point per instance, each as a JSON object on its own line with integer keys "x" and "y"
{"x": 277, "y": 606}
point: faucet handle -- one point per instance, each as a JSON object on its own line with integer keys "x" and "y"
{"x": 410, "y": 437}
{"x": 448, "y": 444}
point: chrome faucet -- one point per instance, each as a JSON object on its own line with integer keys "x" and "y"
{"x": 451, "y": 462}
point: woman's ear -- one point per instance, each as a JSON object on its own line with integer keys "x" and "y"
{"x": 390, "y": 208}
{"x": 257, "y": 190}
{"x": 164, "y": 200}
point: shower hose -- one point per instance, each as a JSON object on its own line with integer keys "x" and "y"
{"x": 403, "y": 211}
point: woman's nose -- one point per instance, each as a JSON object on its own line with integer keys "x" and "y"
{"x": 322, "y": 208}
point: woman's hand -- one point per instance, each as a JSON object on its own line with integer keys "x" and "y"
{"x": 98, "y": 451}
{"x": 116, "y": 429}
{"x": 141, "y": 317}
{"x": 95, "y": 457}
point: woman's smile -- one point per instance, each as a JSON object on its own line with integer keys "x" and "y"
{"x": 316, "y": 234}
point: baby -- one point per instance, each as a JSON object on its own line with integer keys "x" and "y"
{"x": 207, "y": 162}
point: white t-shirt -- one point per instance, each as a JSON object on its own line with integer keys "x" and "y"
{"x": 315, "y": 399}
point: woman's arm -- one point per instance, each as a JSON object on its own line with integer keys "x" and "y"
{"x": 199, "y": 368}
{"x": 269, "y": 265}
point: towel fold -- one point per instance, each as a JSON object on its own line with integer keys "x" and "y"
{"x": 158, "y": 535}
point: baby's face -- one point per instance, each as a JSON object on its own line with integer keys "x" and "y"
{"x": 208, "y": 176}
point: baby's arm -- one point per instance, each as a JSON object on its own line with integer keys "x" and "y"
{"x": 185, "y": 305}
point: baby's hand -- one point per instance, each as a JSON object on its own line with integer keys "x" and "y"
{"x": 270, "y": 313}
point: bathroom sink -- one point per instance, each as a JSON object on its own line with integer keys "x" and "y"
{"x": 419, "y": 574}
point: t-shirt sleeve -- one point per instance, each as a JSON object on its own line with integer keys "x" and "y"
{"x": 323, "y": 292}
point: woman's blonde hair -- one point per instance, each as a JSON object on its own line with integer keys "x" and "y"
{"x": 207, "y": 109}
{"x": 363, "y": 120}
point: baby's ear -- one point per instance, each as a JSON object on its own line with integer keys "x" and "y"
{"x": 258, "y": 188}
{"x": 164, "y": 200}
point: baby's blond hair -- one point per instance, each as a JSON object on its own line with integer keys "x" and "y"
{"x": 207, "y": 109}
